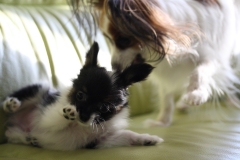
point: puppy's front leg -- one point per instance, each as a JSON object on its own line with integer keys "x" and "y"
{"x": 56, "y": 118}
{"x": 129, "y": 138}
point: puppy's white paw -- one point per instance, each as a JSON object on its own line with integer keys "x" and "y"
{"x": 148, "y": 140}
{"x": 70, "y": 113}
{"x": 154, "y": 123}
{"x": 11, "y": 105}
{"x": 196, "y": 97}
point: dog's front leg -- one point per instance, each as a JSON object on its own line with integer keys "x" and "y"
{"x": 129, "y": 138}
{"x": 55, "y": 118}
{"x": 164, "y": 117}
{"x": 201, "y": 83}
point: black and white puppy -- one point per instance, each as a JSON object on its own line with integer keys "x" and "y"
{"x": 92, "y": 113}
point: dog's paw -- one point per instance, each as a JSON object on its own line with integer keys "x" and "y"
{"x": 31, "y": 140}
{"x": 70, "y": 113}
{"x": 11, "y": 105}
{"x": 181, "y": 105}
{"x": 196, "y": 97}
{"x": 155, "y": 123}
{"x": 148, "y": 140}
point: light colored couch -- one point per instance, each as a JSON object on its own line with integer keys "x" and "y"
{"x": 39, "y": 41}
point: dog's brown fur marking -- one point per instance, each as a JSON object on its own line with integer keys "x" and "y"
{"x": 209, "y": 2}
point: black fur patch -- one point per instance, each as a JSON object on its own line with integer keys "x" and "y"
{"x": 27, "y": 92}
{"x": 31, "y": 91}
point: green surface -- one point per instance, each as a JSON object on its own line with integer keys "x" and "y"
{"x": 202, "y": 133}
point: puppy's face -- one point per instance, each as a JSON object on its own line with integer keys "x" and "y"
{"x": 98, "y": 94}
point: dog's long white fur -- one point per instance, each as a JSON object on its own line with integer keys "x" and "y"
{"x": 208, "y": 69}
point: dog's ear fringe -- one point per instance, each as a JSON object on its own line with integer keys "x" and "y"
{"x": 85, "y": 14}
{"x": 78, "y": 3}
{"x": 144, "y": 20}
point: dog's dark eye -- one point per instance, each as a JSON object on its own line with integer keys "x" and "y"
{"x": 123, "y": 42}
{"x": 81, "y": 96}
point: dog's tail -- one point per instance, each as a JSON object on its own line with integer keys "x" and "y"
{"x": 230, "y": 79}
{"x": 236, "y": 67}
{"x": 230, "y": 83}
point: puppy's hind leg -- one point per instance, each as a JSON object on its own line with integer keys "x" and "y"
{"x": 129, "y": 138}
{"x": 18, "y": 98}
{"x": 16, "y": 135}
{"x": 165, "y": 115}
{"x": 29, "y": 96}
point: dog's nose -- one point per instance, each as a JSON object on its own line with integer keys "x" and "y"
{"x": 138, "y": 59}
{"x": 116, "y": 66}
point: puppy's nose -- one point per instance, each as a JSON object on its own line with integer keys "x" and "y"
{"x": 84, "y": 117}
{"x": 116, "y": 66}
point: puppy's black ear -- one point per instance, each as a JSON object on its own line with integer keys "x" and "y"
{"x": 132, "y": 74}
{"x": 91, "y": 57}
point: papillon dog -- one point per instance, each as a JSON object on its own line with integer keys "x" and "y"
{"x": 92, "y": 113}
{"x": 196, "y": 41}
